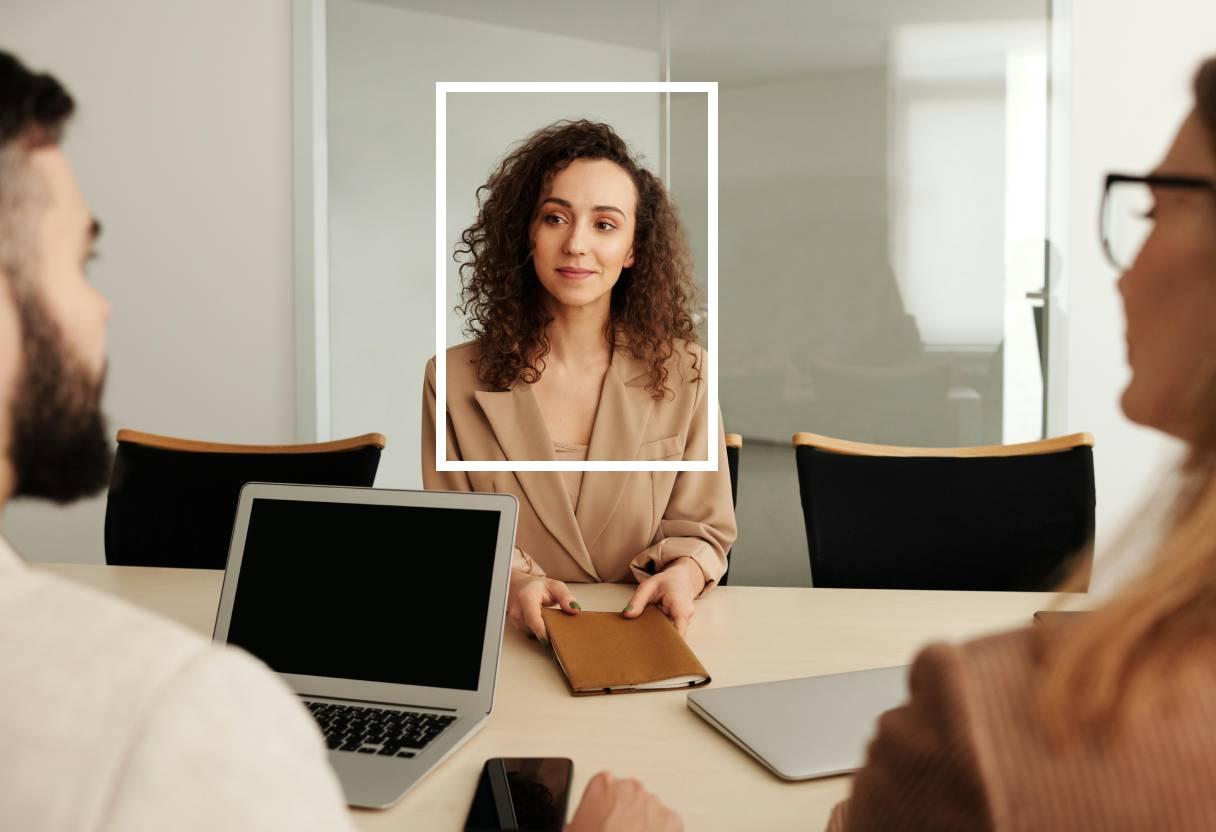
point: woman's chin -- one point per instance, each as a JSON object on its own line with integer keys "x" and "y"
{"x": 576, "y": 298}
{"x": 1130, "y": 404}
{"x": 1144, "y": 409}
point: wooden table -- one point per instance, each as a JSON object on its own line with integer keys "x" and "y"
{"x": 741, "y": 634}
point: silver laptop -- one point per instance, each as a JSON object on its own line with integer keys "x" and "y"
{"x": 382, "y": 609}
{"x": 804, "y": 728}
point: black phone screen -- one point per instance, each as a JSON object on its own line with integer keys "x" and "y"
{"x": 528, "y": 794}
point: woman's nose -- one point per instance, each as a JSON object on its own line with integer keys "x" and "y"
{"x": 576, "y": 240}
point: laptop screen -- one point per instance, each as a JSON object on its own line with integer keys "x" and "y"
{"x": 377, "y": 593}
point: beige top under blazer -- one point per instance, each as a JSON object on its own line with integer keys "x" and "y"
{"x": 115, "y": 720}
{"x": 968, "y": 753}
{"x": 627, "y": 524}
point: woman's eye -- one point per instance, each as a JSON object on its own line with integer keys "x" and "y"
{"x": 554, "y": 219}
{"x": 604, "y": 225}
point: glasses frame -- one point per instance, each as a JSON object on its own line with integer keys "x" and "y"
{"x": 1193, "y": 183}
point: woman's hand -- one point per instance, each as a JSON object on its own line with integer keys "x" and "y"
{"x": 611, "y": 805}
{"x": 528, "y": 594}
{"x": 672, "y": 590}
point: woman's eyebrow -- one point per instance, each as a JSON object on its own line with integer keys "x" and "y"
{"x": 596, "y": 208}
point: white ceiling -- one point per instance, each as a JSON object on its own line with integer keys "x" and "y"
{"x": 721, "y": 40}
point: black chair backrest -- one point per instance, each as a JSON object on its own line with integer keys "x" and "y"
{"x": 734, "y": 442}
{"x": 732, "y": 459}
{"x": 172, "y": 502}
{"x": 967, "y": 521}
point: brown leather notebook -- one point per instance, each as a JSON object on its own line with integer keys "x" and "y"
{"x": 604, "y": 652}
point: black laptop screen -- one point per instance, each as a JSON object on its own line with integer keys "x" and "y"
{"x": 395, "y": 594}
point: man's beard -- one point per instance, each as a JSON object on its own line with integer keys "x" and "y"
{"x": 60, "y": 448}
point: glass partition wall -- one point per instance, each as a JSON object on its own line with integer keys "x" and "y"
{"x": 882, "y": 211}
{"x": 882, "y": 227}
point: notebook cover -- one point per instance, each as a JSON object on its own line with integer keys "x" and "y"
{"x": 599, "y": 651}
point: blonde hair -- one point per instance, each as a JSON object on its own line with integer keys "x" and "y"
{"x": 1129, "y": 650}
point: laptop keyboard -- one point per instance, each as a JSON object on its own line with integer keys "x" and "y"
{"x": 369, "y": 730}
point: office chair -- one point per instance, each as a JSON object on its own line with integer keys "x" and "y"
{"x": 734, "y": 442}
{"x": 172, "y": 502}
{"x": 1001, "y": 517}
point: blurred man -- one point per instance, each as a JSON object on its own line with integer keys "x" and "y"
{"x": 112, "y": 718}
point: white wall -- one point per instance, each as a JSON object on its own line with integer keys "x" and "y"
{"x": 383, "y": 64}
{"x": 182, "y": 147}
{"x": 1132, "y": 64}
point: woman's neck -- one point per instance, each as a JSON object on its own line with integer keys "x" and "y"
{"x": 577, "y": 337}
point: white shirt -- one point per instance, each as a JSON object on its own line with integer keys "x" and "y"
{"x": 114, "y": 719}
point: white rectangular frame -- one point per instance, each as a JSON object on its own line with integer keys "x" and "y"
{"x": 442, "y": 89}
{"x": 479, "y": 700}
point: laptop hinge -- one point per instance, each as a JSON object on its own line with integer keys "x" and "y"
{"x": 374, "y": 702}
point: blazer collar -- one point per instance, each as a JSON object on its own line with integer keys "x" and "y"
{"x": 620, "y": 423}
{"x": 516, "y": 420}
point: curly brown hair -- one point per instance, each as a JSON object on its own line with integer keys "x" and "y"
{"x": 651, "y": 302}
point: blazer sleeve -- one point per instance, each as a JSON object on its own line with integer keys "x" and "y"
{"x": 922, "y": 770}
{"x": 699, "y": 519}
{"x": 433, "y": 480}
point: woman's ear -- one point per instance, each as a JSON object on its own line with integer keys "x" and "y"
{"x": 629, "y": 259}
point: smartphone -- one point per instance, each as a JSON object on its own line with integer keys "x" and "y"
{"x": 528, "y": 794}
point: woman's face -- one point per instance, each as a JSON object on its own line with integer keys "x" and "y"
{"x": 582, "y": 235}
{"x": 1169, "y": 295}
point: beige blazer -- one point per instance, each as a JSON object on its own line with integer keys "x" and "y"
{"x": 114, "y": 720}
{"x": 968, "y": 753}
{"x": 628, "y": 524}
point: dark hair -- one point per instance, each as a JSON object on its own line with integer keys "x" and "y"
{"x": 34, "y": 107}
{"x": 500, "y": 290}
{"x": 33, "y": 110}
{"x": 1205, "y": 96}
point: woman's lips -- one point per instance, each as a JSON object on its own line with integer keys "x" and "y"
{"x": 575, "y": 274}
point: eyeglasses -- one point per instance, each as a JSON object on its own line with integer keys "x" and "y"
{"x": 1127, "y": 212}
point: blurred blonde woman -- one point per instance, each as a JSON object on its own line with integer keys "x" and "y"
{"x": 1108, "y": 720}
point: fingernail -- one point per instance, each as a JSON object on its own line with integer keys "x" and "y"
{"x": 576, "y": 605}
{"x": 628, "y": 607}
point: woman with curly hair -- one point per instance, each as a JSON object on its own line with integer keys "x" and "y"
{"x": 577, "y": 285}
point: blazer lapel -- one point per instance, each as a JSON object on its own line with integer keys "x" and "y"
{"x": 620, "y": 423}
{"x": 519, "y": 427}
